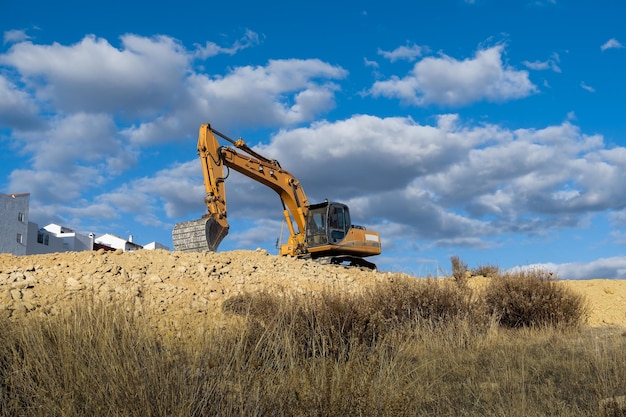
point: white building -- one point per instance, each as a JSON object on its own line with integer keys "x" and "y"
{"x": 117, "y": 242}
{"x": 155, "y": 245}
{"x": 14, "y": 223}
{"x": 42, "y": 241}
{"x": 54, "y": 238}
{"x": 22, "y": 237}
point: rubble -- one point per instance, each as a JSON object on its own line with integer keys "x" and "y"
{"x": 176, "y": 291}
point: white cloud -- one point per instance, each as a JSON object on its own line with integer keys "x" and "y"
{"x": 551, "y": 64}
{"x": 405, "y": 52}
{"x": 584, "y": 86}
{"x": 76, "y": 139}
{"x": 611, "y": 44}
{"x": 387, "y": 148}
{"x": 283, "y": 92}
{"x": 86, "y": 210}
{"x": 16, "y": 35}
{"x": 17, "y": 108}
{"x": 613, "y": 268}
{"x": 264, "y": 233}
{"x": 210, "y": 49}
{"x": 449, "y": 180}
{"x": 369, "y": 63}
{"x": 147, "y": 73}
{"x": 537, "y": 65}
{"x": 140, "y": 78}
{"x": 69, "y": 157}
{"x": 450, "y": 82}
{"x": 52, "y": 190}
{"x": 618, "y": 218}
{"x": 180, "y": 189}
{"x": 151, "y": 82}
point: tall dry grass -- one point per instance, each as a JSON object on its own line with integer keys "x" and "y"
{"x": 414, "y": 347}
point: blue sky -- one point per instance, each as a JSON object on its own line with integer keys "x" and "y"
{"x": 490, "y": 130}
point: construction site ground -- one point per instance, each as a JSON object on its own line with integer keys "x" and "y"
{"x": 183, "y": 292}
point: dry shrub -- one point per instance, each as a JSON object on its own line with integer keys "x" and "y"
{"x": 460, "y": 273}
{"x": 333, "y": 323}
{"x": 420, "y": 300}
{"x": 324, "y": 326}
{"x": 533, "y": 298}
{"x": 488, "y": 271}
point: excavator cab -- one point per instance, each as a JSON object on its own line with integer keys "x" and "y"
{"x": 327, "y": 223}
{"x": 330, "y": 234}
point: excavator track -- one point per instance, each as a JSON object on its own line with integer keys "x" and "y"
{"x": 200, "y": 235}
{"x": 346, "y": 260}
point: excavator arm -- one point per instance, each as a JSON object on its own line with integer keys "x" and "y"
{"x": 208, "y": 232}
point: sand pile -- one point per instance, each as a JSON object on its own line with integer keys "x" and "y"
{"x": 184, "y": 291}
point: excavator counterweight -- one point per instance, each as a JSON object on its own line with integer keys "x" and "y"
{"x": 321, "y": 231}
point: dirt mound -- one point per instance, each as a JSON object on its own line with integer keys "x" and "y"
{"x": 606, "y": 298}
{"x": 181, "y": 291}
{"x": 175, "y": 290}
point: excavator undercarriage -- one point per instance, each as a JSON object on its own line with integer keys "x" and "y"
{"x": 345, "y": 260}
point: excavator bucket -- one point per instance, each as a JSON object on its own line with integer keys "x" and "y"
{"x": 200, "y": 235}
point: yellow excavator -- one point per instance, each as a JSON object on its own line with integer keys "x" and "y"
{"x": 321, "y": 231}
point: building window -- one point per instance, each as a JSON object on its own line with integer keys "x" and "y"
{"x": 43, "y": 238}
{"x": 20, "y": 238}
{"x": 20, "y": 217}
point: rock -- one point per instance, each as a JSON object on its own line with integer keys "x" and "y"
{"x": 72, "y": 284}
{"x": 16, "y": 294}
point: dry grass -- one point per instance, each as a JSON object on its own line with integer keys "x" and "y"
{"x": 410, "y": 347}
{"x": 332, "y": 324}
